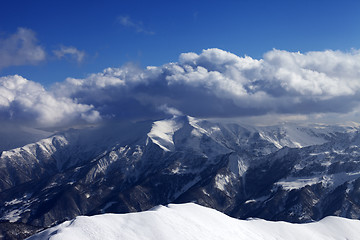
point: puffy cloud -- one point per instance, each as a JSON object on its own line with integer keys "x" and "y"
{"x": 282, "y": 82}
{"x": 25, "y": 101}
{"x": 71, "y": 52}
{"x": 217, "y": 83}
{"x": 20, "y": 48}
{"x": 214, "y": 83}
{"x": 323, "y": 75}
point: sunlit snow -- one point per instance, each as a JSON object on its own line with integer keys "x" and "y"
{"x": 162, "y": 133}
{"x": 191, "y": 221}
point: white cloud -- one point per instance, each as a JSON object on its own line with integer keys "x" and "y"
{"x": 170, "y": 110}
{"x": 219, "y": 83}
{"x": 214, "y": 83}
{"x": 71, "y": 52}
{"x": 26, "y": 101}
{"x": 137, "y": 26}
{"x": 320, "y": 74}
{"x": 21, "y": 48}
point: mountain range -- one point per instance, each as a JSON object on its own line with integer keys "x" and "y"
{"x": 289, "y": 172}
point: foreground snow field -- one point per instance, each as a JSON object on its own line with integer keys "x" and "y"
{"x": 191, "y": 221}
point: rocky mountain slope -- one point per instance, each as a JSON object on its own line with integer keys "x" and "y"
{"x": 287, "y": 172}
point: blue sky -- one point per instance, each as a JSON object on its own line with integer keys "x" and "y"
{"x": 69, "y": 62}
{"x": 159, "y": 31}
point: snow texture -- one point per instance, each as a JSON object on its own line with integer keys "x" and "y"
{"x": 191, "y": 221}
{"x": 162, "y": 133}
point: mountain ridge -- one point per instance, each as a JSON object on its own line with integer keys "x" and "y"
{"x": 191, "y": 221}
{"x": 286, "y": 172}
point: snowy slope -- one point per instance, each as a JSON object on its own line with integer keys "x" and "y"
{"x": 162, "y": 133}
{"x": 298, "y": 136}
{"x": 236, "y": 135}
{"x": 191, "y": 221}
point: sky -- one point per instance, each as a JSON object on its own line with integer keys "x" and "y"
{"x": 63, "y": 62}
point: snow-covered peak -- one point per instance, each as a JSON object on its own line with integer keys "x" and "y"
{"x": 13, "y": 136}
{"x": 191, "y": 221}
{"x": 293, "y": 136}
{"x": 47, "y": 147}
{"x": 162, "y": 132}
{"x": 191, "y": 130}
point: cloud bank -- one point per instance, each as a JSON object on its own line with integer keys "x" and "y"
{"x": 21, "y": 48}
{"x": 214, "y": 83}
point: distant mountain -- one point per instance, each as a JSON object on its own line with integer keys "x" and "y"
{"x": 13, "y": 136}
{"x": 287, "y": 172}
{"x": 191, "y": 221}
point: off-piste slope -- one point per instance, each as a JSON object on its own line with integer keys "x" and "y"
{"x": 191, "y": 221}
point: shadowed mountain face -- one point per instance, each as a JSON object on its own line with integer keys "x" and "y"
{"x": 287, "y": 172}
